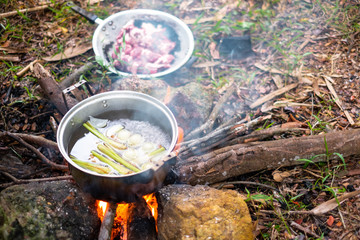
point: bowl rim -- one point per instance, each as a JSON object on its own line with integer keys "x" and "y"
{"x": 98, "y": 52}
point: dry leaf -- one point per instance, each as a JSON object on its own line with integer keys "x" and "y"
{"x": 272, "y": 95}
{"x": 185, "y": 5}
{"x": 279, "y": 176}
{"x": 213, "y": 51}
{"x": 331, "y": 204}
{"x": 92, "y": 2}
{"x": 328, "y": 81}
{"x": 218, "y": 16}
{"x": 267, "y": 69}
{"x": 206, "y": 64}
{"x": 278, "y": 81}
{"x": 330, "y": 221}
{"x": 70, "y": 52}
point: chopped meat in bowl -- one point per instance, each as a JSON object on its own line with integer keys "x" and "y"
{"x": 143, "y": 50}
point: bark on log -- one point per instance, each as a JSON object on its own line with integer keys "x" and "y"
{"x": 62, "y": 102}
{"x": 232, "y": 161}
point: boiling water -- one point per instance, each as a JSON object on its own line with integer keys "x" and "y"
{"x": 88, "y": 142}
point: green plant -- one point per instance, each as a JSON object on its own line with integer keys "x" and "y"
{"x": 10, "y": 70}
{"x": 30, "y": 94}
{"x": 323, "y": 165}
{"x": 23, "y": 16}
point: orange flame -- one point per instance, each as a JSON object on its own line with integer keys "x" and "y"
{"x": 122, "y": 214}
{"x": 150, "y": 199}
{"x": 101, "y": 209}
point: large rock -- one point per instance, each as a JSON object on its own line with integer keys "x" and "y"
{"x": 202, "y": 212}
{"x": 191, "y": 105}
{"x": 48, "y": 210}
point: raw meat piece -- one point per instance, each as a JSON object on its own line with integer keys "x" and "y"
{"x": 143, "y": 50}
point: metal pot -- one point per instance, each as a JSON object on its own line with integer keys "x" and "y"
{"x": 108, "y": 29}
{"x": 115, "y": 105}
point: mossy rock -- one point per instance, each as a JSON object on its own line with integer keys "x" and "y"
{"x": 48, "y": 210}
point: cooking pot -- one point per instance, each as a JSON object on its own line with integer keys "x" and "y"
{"x": 105, "y": 35}
{"x": 113, "y": 106}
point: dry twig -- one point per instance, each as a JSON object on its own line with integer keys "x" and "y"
{"x": 38, "y": 153}
{"x": 13, "y": 13}
{"x": 305, "y": 230}
{"x": 272, "y": 95}
{"x": 213, "y": 115}
{"x": 337, "y": 99}
{"x": 22, "y": 181}
{"x": 37, "y": 140}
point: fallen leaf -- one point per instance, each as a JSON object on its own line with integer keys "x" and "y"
{"x": 70, "y": 52}
{"x": 331, "y": 204}
{"x": 218, "y": 16}
{"x": 279, "y": 176}
{"x": 64, "y": 30}
{"x": 330, "y": 221}
{"x": 278, "y": 81}
{"x": 206, "y": 64}
{"x": 338, "y": 224}
{"x": 213, "y": 51}
{"x": 299, "y": 221}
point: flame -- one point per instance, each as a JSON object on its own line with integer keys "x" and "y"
{"x": 151, "y": 201}
{"x": 101, "y": 209}
{"x": 122, "y": 214}
{"x": 120, "y": 221}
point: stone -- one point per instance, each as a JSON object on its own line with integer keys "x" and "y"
{"x": 191, "y": 103}
{"x": 47, "y": 210}
{"x": 201, "y": 212}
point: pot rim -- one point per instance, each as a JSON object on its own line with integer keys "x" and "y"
{"x": 98, "y": 52}
{"x": 101, "y": 97}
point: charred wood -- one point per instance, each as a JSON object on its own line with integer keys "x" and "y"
{"x": 141, "y": 224}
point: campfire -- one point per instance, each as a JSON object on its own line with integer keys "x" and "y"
{"x": 124, "y": 215}
{"x": 252, "y": 110}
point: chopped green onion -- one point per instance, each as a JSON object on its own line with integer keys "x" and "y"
{"x": 91, "y": 166}
{"x": 157, "y": 151}
{"x": 119, "y": 168}
{"x": 98, "y": 134}
{"x": 111, "y": 153}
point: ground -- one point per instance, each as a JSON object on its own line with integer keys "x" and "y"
{"x": 314, "y": 44}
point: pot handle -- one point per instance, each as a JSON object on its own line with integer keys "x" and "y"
{"x": 88, "y": 15}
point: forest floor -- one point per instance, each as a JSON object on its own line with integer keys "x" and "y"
{"x": 314, "y": 44}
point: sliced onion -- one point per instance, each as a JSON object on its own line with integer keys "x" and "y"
{"x": 98, "y": 122}
{"x": 112, "y": 131}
